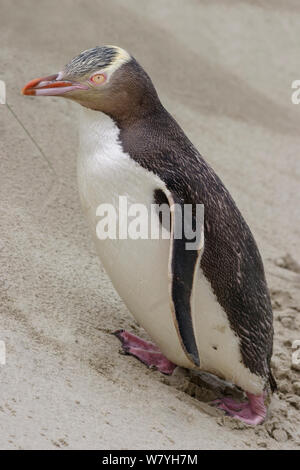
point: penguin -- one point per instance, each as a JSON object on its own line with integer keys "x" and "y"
{"x": 205, "y": 308}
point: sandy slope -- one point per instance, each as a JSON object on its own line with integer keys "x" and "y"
{"x": 224, "y": 69}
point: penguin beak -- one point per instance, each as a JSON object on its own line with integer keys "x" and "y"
{"x": 51, "y": 86}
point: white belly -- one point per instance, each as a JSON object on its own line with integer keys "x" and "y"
{"x": 138, "y": 269}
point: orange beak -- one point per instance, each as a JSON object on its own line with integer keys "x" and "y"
{"x": 51, "y": 86}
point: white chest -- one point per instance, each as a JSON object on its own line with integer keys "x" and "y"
{"x": 138, "y": 269}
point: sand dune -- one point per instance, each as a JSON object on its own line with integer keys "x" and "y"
{"x": 224, "y": 69}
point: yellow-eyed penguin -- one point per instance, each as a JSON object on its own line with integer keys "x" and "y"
{"x": 205, "y": 308}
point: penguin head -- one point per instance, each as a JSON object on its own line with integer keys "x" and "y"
{"x": 106, "y": 79}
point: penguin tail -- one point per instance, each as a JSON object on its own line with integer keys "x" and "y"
{"x": 272, "y": 382}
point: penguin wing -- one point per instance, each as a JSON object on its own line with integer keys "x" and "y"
{"x": 184, "y": 259}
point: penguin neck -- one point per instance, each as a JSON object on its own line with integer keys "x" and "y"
{"x": 97, "y": 130}
{"x": 148, "y": 104}
{"x": 149, "y": 108}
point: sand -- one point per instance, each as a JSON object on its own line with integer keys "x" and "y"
{"x": 224, "y": 69}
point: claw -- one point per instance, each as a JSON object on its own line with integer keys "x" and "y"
{"x": 252, "y": 412}
{"x": 145, "y": 351}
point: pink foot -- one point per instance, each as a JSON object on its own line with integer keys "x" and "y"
{"x": 252, "y": 412}
{"x": 230, "y": 404}
{"x": 145, "y": 351}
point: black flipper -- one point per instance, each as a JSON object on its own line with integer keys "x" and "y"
{"x": 183, "y": 267}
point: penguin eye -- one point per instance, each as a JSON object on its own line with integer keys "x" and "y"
{"x": 98, "y": 78}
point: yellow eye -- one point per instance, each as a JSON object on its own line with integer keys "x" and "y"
{"x": 98, "y": 78}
